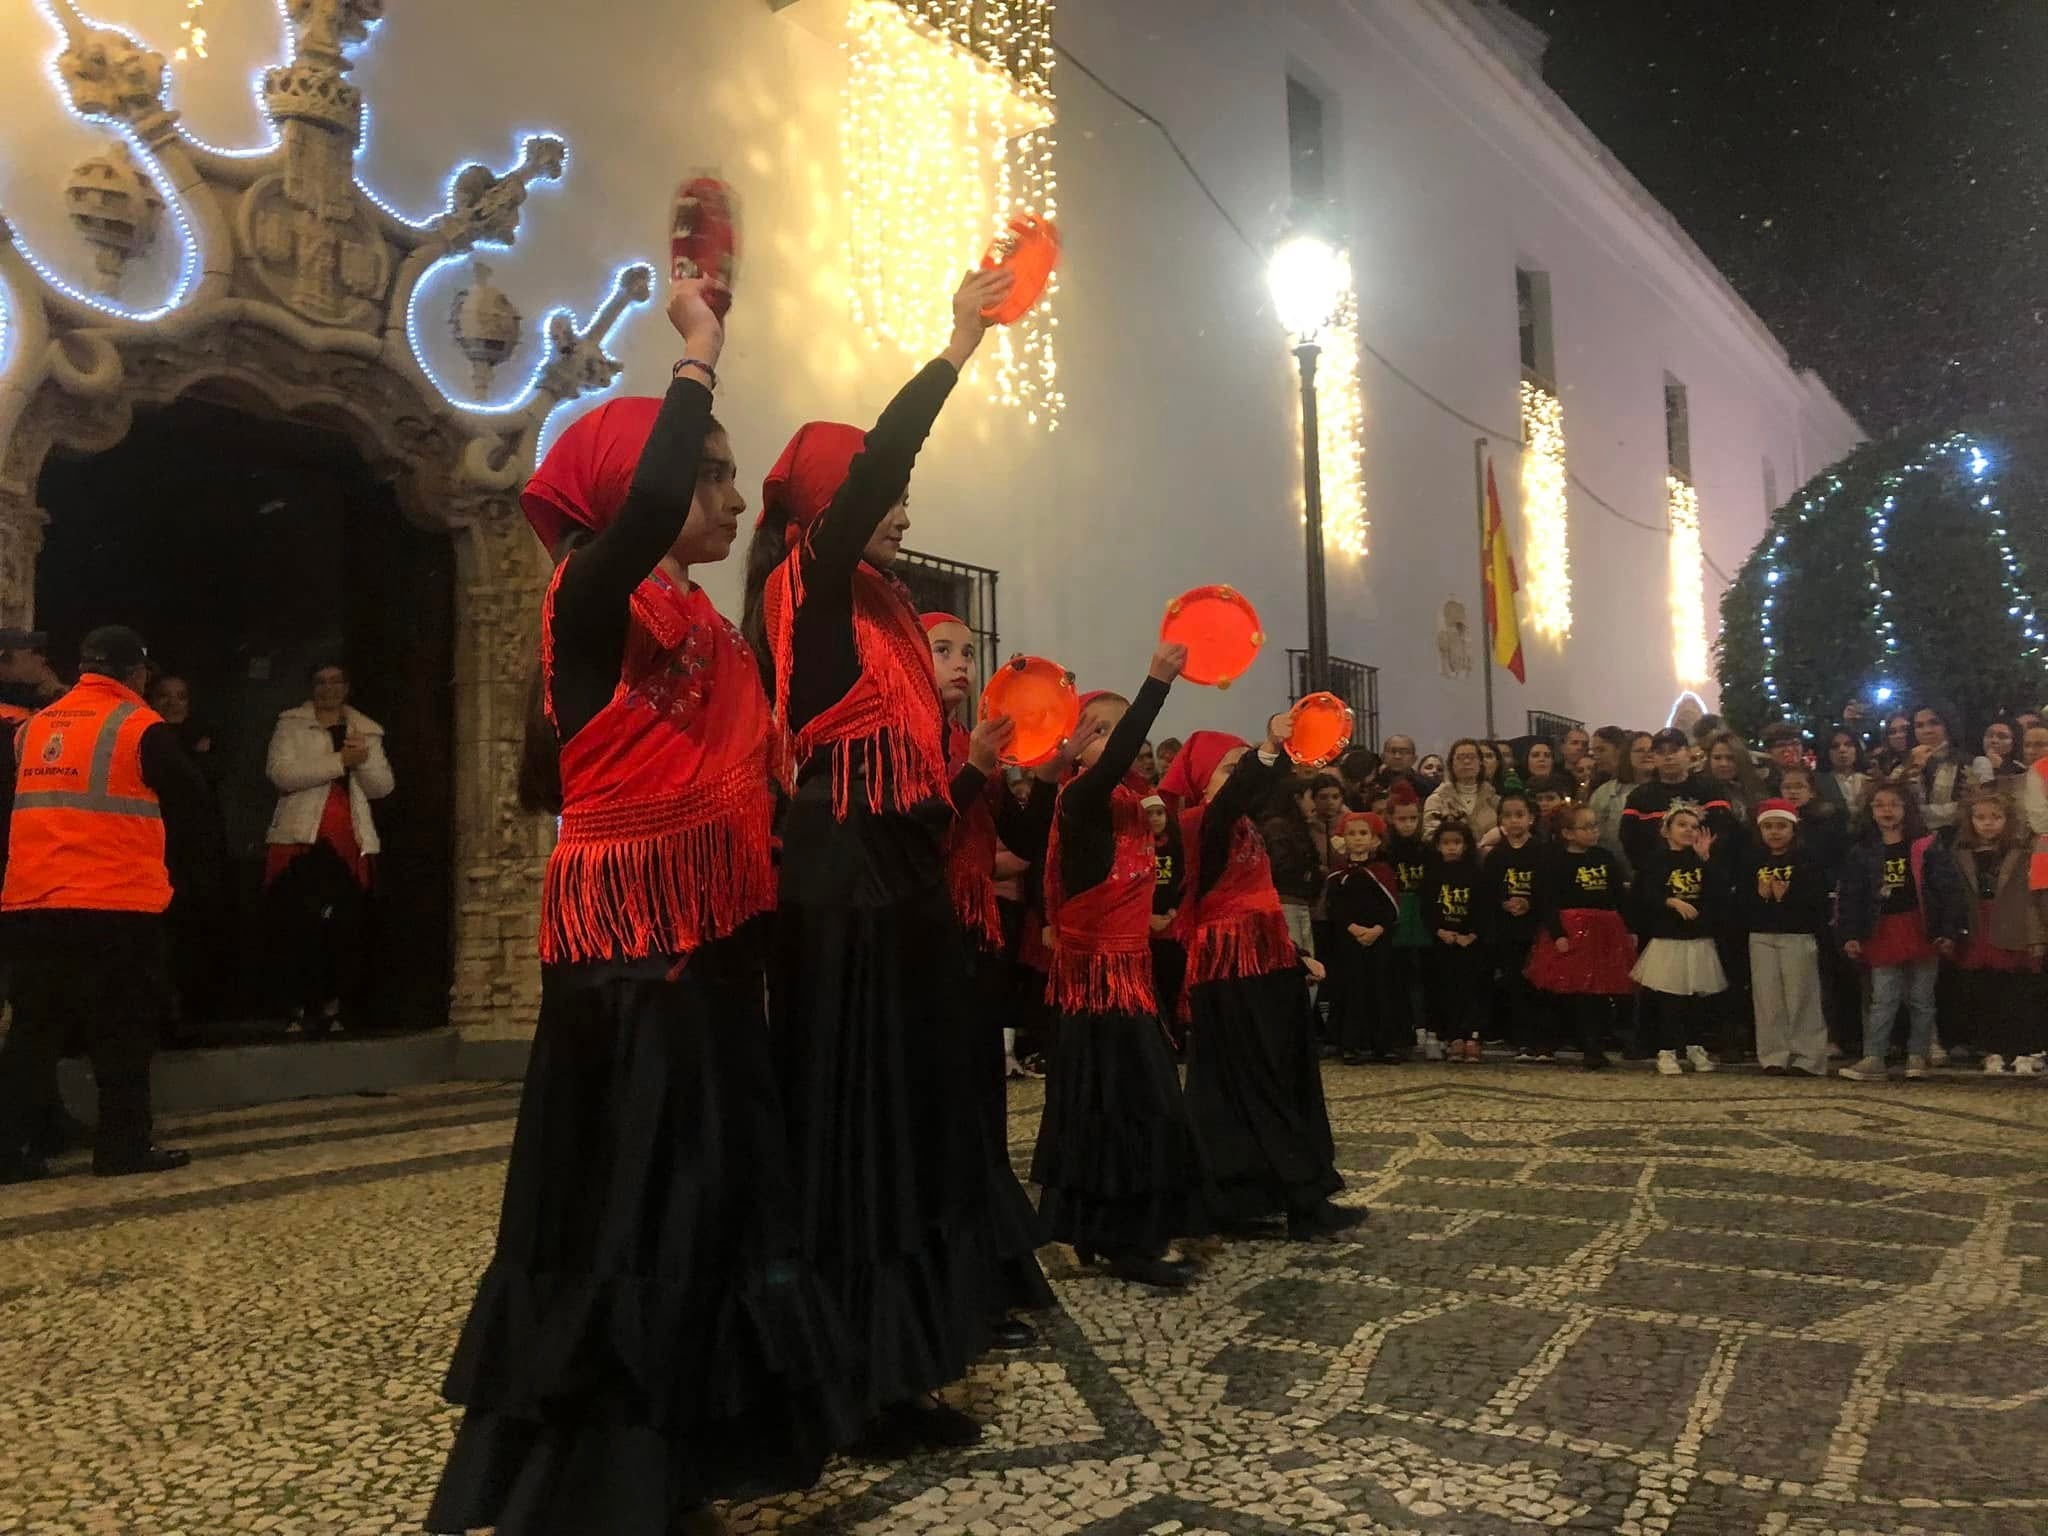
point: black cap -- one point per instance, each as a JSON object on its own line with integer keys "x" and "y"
{"x": 1670, "y": 736}
{"x": 113, "y": 650}
{"x": 23, "y": 640}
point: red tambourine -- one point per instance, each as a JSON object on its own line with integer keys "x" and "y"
{"x": 1039, "y": 698}
{"x": 1221, "y": 631}
{"x": 1030, "y": 248}
{"x": 704, "y": 237}
{"x": 1322, "y": 730}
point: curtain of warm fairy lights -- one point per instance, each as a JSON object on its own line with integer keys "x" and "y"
{"x": 947, "y": 132}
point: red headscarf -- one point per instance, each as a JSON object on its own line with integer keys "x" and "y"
{"x": 813, "y": 466}
{"x": 586, "y": 475}
{"x": 932, "y": 621}
{"x": 1187, "y": 780}
{"x": 1372, "y": 821}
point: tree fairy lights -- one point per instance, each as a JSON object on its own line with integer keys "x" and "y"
{"x": 947, "y": 130}
{"x": 1340, "y": 425}
{"x": 1688, "y": 599}
{"x": 1546, "y": 515}
{"x": 194, "y": 29}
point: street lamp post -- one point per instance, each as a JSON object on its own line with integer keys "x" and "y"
{"x": 1306, "y": 277}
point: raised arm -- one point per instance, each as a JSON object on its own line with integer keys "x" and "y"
{"x": 876, "y": 479}
{"x": 1091, "y": 788}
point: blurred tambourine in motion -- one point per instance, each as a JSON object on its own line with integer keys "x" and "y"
{"x": 1038, "y": 697}
{"x": 1322, "y": 730}
{"x": 704, "y": 236}
{"x": 1221, "y": 630}
{"x": 1029, "y": 248}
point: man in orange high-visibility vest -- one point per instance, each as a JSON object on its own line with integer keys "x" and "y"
{"x": 81, "y": 909}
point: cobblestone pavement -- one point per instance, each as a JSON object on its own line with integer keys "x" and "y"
{"x": 1617, "y": 1303}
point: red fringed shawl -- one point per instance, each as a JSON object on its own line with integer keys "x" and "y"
{"x": 1102, "y": 937}
{"x": 971, "y": 854}
{"x": 1237, "y": 928}
{"x": 889, "y": 722}
{"x": 666, "y": 806}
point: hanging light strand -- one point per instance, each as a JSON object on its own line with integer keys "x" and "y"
{"x": 194, "y": 30}
{"x": 1546, "y": 514}
{"x": 1688, "y": 585}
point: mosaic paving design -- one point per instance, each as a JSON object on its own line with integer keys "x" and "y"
{"x": 1615, "y": 1303}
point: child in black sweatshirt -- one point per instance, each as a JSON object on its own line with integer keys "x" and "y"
{"x": 1678, "y": 897}
{"x": 1460, "y": 966}
{"x": 1781, "y": 900}
{"x": 1508, "y": 906}
{"x": 1363, "y": 902}
{"x": 1583, "y": 950}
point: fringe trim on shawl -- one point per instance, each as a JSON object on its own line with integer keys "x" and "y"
{"x": 974, "y": 903}
{"x": 1248, "y": 944}
{"x": 1100, "y": 981}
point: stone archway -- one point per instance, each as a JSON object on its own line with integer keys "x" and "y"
{"x": 300, "y": 291}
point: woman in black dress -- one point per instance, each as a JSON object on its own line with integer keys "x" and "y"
{"x": 880, "y": 1081}
{"x": 645, "y": 1339}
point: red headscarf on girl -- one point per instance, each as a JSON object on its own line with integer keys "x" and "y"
{"x": 585, "y": 477}
{"x": 891, "y": 720}
{"x": 971, "y": 842}
{"x": 1187, "y": 777}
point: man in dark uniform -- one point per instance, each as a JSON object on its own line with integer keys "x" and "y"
{"x": 83, "y": 902}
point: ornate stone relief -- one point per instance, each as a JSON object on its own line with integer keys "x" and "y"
{"x": 303, "y": 293}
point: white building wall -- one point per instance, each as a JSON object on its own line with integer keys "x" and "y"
{"x": 1176, "y": 461}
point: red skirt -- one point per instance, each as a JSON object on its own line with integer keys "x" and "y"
{"x": 1900, "y": 939}
{"x": 1602, "y": 954}
{"x": 337, "y": 831}
{"x": 1980, "y": 954}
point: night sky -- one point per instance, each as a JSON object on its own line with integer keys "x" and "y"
{"x": 1871, "y": 175}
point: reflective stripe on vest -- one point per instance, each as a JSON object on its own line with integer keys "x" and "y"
{"x": 95, "y": 796}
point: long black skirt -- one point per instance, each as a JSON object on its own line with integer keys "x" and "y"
{"x": 1013, "y": 1225}
{"x": 1117, "y": 1165}
{"x": 1255, "y": 1092}
{"x": 645, "y": 1338}
{"x": 887, "y": 1095}
{"x": 1365, "y": 1015}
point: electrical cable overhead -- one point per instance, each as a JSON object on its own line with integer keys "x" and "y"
{"x": 1493, "y": 433}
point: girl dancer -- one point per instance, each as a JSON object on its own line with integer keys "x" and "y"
{"x": 881, "y": 1084}
{"x": 987, "y": 817}
{"x": 645, "y": 1339}
{"x": 1255, "y": 1088}
{"x": 1117, "y": 1159}
{"x": 1583, "y": 948}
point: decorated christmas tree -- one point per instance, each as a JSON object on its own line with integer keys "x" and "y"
{"x": 1907, "y": 572}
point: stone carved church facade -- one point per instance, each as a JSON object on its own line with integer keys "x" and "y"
{"x": 298, "y": 291}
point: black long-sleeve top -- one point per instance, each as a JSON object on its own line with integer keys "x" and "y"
{"x": 1684, "y": 874}
{"x": 194, "y": 843}
{"x": 1569, "y": 880}
{"x": 826, "y": 663}
{"x": 1450, "y": 896}
{"x": 1250, "y": 781}
{"x": 1410, "y": 858}
{"x": 593, "y": 600}
{"x": 1805, "y": 906}
{"x": 1510, "y": 872}
{"x": 1087, "y": 839}
{"x": 1360, "y": 894}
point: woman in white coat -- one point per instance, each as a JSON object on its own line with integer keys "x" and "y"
{"x": 327, "y": 764}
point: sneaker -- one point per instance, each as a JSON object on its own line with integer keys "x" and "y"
{"x": 1995, "y": 1064}
{"x": 1697, "y": 1058}
{"x": 1937, "y": 1054}
{"x": 1544, "y": 1058}
{"x": 1916, "y": 1066}
{"x": 1772, "y": 1069}
{"x": 1869, "y": 1070}
{"x": 2029, "y": 1066}
{"x": 1432, "y": 1048}
{"x": 1667, "y": 1064}
{"x": 1525, "y": 1055}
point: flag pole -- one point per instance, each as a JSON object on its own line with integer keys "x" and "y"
{"x": 1485, "y": 608}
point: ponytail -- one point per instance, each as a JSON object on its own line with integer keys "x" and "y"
{"x": 770, "y": 547}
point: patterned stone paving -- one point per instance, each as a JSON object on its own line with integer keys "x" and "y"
{"x": 1616, "y": 1303}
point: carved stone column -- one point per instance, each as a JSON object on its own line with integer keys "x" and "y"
{"x": 500, "y": 850}
{"x": 21, "y": 540}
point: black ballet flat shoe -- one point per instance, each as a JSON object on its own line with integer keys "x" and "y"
{"x": 1353, "y": 1058}
{"x": 23, "y": 1168}
{"x": 149, "y": 1160}
{"x": 1012, "y": 1333}
{"x": 1163, "y": 1274}
{"x": 1324, "y": 1220}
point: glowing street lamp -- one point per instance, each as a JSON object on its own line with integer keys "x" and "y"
{"x": 1307, "y": 277}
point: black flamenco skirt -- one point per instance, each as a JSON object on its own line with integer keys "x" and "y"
{"x": 887, "y": 1094}
{"x": 1255, "y": 1094}
{"x": 1013, "y": 1225}
{"x": 1118, "y": 1168}
{"x": 645, "y": 1338}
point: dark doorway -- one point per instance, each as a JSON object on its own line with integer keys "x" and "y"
{"x": 246, "y": 549}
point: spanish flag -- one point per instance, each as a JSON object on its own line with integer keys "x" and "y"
{"x": 1497, "y": 572}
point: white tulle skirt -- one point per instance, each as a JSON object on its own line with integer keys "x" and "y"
{"x": 1681, "y": 967}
